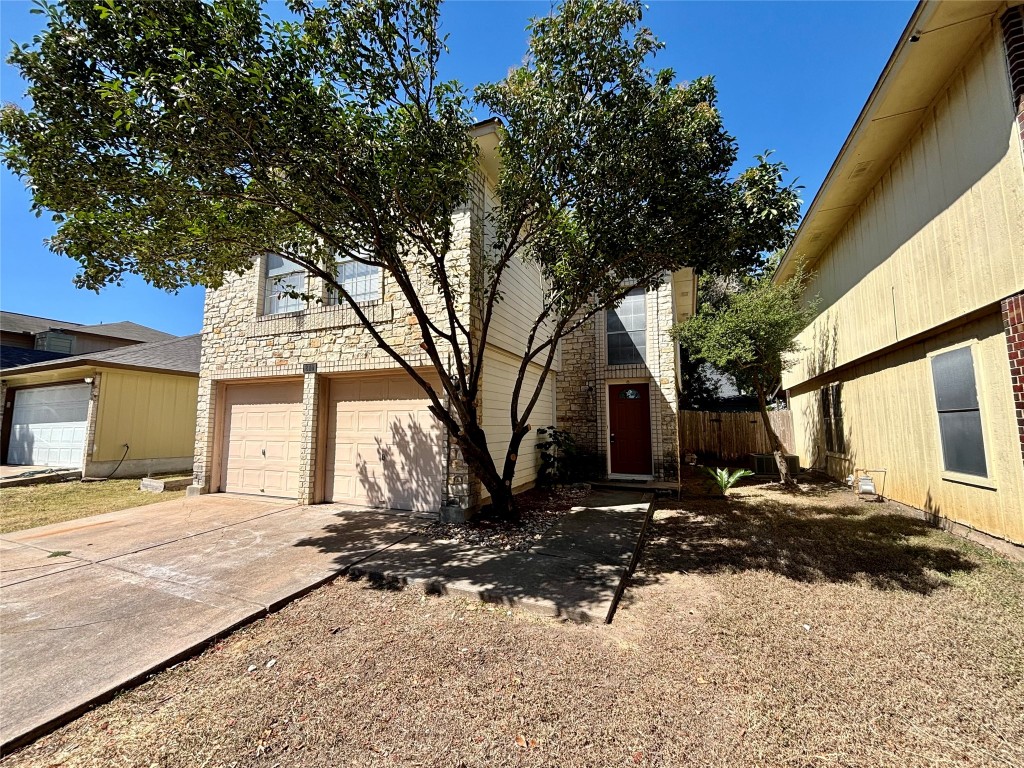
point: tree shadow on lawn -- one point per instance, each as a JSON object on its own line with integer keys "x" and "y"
{"x": 843, "y": 544}
{"x": 390, "y": 552}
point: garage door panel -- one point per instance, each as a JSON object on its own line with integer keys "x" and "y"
{"x": 384, "y": 445}
{"x": 370, "y": 421}
{"x": 264, "y": 422}
{"x": 48, "y": 425}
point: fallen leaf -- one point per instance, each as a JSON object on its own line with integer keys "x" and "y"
{"x": 638, "y": 757}
{"x": 521, "y": 741}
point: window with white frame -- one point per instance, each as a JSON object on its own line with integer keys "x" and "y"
{"x": 627, "y": 330}
{"x": 361, "y": 281}
{"x": 956, "y": 399}
{"x": 283, "y": 278}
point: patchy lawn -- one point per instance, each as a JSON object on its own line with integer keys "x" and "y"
{"x": 33, "y": 505}
{"x": 761, "y": 630}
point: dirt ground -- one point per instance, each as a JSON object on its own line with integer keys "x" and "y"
{"x": 33, "y": 505}
{"x": 761, "y": 630}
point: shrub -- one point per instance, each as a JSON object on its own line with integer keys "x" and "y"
{"x": 562, "y": 461}
{"x": 723, "y": 479}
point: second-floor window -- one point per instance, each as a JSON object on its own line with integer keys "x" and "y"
{"x": 283, "y": 277}
{"x": 360, "y": 281}
{"x": 627, "y": 330}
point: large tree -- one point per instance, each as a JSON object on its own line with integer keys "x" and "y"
{"x": 176, "y": 139}
{"x": 749, "y": 332}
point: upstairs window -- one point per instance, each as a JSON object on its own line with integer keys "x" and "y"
{"x": 361, "y": 281}
{"x": 832, "y": 417}
{"x": 282, "y": 278}
{"x": 627, "y": 330}
{"x": 956, "y": 399}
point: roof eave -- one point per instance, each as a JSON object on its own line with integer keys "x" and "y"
{"x": 851, "y": 177}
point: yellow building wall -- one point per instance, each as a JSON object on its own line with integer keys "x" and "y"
{"x": 155, "y": 413}
{"x": 500, "y": 371}
{"x": 523, "y": 293}
{"x": 891, "y": 422}
{"x": 941, "y": 234}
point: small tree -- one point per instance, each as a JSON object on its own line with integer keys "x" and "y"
{"x": 179, "y": 139}
{"x": 750, "y": 334}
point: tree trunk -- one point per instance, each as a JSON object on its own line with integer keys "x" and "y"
{"x": 778, "y": 450}
{"x": 473, "y": 443}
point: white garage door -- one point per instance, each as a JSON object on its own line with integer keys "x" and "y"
{"x": 48, "y": 426}
{"x": 262, "y": 438}
{"x": 384, "y": 448}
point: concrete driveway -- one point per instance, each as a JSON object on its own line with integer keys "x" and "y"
{"x": 91, "y": 605}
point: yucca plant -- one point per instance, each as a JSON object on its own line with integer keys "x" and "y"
{"x": 724, "y": 479}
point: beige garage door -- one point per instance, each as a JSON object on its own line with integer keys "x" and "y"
{"x": 384, "y": 448}
{"x": 262, "y": 437}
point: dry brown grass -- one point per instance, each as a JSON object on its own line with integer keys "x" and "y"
{"x": 762, "y": 630}
{"x": 33, "y": 505}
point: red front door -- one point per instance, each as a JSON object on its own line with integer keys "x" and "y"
{"x": 629, "y": 422}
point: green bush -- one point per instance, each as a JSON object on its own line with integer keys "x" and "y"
{"x": 562, "y": 461}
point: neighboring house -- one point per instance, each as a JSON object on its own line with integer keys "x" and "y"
{"x": 915, "y": 361}
{"x": 28, "y": 339}
{"x": 128, "y": 411}
{"x": 298, "y": 401}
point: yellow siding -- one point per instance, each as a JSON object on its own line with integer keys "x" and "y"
{"x": 941, "y": 234}
{"x": 499, "y": 378}
{"x": 891, "y": 422}
{"x": 154, "y": 413}
{"x": 522, "y": 290}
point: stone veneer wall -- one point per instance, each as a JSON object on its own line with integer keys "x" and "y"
{"x": 240, "y": 343}
{"x": 582, "y": 391}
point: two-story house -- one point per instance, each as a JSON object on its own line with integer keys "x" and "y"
{"x": 296, "y": 399}
{"x": 915, "y": 361}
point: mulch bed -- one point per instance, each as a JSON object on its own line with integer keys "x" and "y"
{"x": 539, "y": 509}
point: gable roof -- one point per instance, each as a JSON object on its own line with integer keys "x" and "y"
{"x": 936, "y": 40}
{"x": 175, "y": 355}
{"x": 15, "y": 322}
{"x": 125, "y": 330}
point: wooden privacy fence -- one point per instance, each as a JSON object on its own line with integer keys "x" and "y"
{"x": 732, "y": 435}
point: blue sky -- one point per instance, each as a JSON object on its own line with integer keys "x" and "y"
{"x": 792, "y": 77}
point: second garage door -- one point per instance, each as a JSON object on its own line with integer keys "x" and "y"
{"x": 262, "y": 439}
{"x": 384, "y": 447}
{"x": 48, "y": 426}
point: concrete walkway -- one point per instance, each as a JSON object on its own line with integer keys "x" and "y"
{"x": 90, "y": 606}
{"x": 577, "y": 571}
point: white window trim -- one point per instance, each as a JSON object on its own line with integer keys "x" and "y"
{"x": 333, "y": 299}
{"x": 947, "y": 475}
{"x": 646, "y": 354}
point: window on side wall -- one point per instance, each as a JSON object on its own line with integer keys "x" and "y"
{"x": 832, "y": 418}
{"x": 627, "y": 330}
{"x": 282, "y": 278}
{"x": 361, "y": 281}
{"x": 956, "y": 399}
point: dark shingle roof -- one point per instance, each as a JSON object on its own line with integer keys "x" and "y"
{"x": 180, "y": 355}
{"x": 11, "y": 357}
{"x": 125, "y": 330}
{"x": 14, "y": 322}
